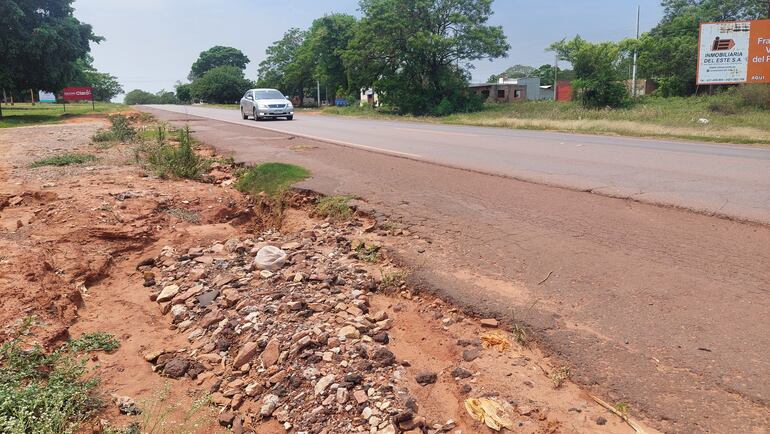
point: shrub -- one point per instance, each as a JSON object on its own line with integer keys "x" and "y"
{"x": 752, "y": 95}
{"x": 723, "y": 106}
{"x": 120, "y": 130}
{"x": 169, "y": 161}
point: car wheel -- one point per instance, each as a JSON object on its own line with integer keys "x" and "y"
{"x": 288, "y": 118}
{"x": 256, "y": 116}
{"x": 243, "y": 114}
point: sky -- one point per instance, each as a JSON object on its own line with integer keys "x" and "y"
{"x": 151, "y": 44}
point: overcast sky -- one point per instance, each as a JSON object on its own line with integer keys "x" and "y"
{"x": 150, "y": 44}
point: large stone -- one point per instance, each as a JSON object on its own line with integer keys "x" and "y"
{"x": 176, "y": 368}
{"x": 424, "y": 378}
{"x": 167, "y": 293}
{"x": 269, "y": 404}
{"x": 488, "y": 322}
{"x": 245, "y": 354}
{"x": 349, "y": 332}
{"x": 323, "y": 383}
{"x": 271, "y": 353}
{"x": 383, "y": 356}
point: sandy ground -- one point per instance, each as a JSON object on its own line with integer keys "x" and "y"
{"x": 70, "y": 241}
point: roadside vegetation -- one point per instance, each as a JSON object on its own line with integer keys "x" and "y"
{"x": 49, "y": 392}
{"x": 21, "y": 114}
{"x": 733, "y": 116}
{"x": 120, "y": 130}
{"x": 335, "y": 208}
{"x": 172, "y": 156}
{"x": 64, "y": 160}
{"x": 270, "y": 178}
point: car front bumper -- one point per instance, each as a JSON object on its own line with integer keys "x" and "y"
{"x": 275, "y": 113}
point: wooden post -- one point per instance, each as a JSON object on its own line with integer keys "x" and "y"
{"x": 32, "y": 96}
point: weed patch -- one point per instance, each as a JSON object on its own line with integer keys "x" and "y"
{"x": 368, "y": 253}
{"x": 120, "y": 131}
{"x": 334, "y": 208}
{"x": 64, "y": 160}
{"x": 171, "y": 161}
{"x": 48, "y": 393}
{"x": 270, "y": 178}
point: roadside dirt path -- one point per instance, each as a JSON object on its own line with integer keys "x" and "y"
{"x": 659, "y": 308}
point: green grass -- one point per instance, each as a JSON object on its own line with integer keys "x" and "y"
{"x": 64, "y": 160}
{"x": 24, "y": 114}
{"x": 334, "y": 208}
{"x": 48, "y": 392}
{"x": 677, "y": 118}
{"x": 270, "y": 178}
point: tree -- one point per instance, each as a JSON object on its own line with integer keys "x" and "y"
{"x": 597, "y": 70}
{"x": 715, "y": 10}
{"x": 223, "y": 84}
{"x": 40, "y": 43}
{"x": 138, "y": 96}
{"x": 184, "y": 92}
{"x": 328, "y": 38}
{"x": 166, "y": 97}
{"x": 515, "y": 71}
{"x": 217, "y": 56}
{"x": 288, "y": 64}
{"x": 105, "y": 86}
{"x": 417, "y": 53}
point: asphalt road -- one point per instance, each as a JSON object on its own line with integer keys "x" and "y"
{"x": 731, "y": 181}
{"x": 660, "y": 308}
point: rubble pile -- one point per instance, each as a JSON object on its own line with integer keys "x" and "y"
{"x": 280, "y": 326}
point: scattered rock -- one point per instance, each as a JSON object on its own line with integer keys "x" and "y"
{"x": 167, "y": 293}
{"x": 424, "y": 378}
{"x": 176, "y": 368}
{"x": 488, "y": 322}
{"x": 601, "y": 421}
{"x": 471, "y": 354}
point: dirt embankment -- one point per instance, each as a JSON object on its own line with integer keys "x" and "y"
{"x": 332, "y": 341}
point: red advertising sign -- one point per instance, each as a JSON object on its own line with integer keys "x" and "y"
{"x": 78, "y": 94}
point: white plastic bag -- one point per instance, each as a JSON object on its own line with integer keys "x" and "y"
{"x": 270, "y": 258}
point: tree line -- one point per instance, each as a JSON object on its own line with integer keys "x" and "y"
{"x": 417, "y": 54}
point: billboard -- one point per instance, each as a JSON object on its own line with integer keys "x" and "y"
{"x": 78, "y": 94}
{"x": 734, "y": 52}
{"x": 44, "y": 96}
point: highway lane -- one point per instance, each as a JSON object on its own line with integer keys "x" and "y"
{"x": 726, "y": 180}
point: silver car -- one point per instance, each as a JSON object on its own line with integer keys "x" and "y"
{"x": 266, "y": 103}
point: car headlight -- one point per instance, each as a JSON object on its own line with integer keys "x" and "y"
{"x": 290, "y": 106}
{"x": 262, "y": 105}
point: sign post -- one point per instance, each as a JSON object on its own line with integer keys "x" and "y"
{"x": 734, "y": 52}
{"x": 79, "y": 94}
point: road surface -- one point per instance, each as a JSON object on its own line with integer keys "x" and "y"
{"x": 660, "y": 308}
{"x": 732, "y": 181}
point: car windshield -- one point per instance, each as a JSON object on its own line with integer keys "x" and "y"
{"x": 268, "y": 94}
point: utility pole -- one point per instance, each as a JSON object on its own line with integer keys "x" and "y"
{"x": 633, "y": 73}
{"x": 318, "y": 92}
{"x": 555, "y": 77}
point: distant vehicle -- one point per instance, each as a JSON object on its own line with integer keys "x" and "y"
{"x": 265, "y": 104}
